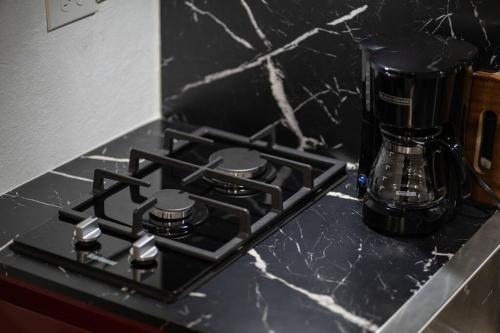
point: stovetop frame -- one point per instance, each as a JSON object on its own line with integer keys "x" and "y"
{"x": 280, "y": 213}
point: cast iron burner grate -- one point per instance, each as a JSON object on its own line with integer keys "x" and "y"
{"x": 181, "y": 214}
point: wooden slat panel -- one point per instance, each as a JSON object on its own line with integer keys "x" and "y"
{"x": 485, "y": 96}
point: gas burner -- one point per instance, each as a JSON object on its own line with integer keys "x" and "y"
{"x": 172, "y": 205}
{"x": 241, "y": 162}
{"x": 174, "y": 214}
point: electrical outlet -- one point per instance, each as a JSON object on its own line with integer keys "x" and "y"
{"x": 62, "y": 12}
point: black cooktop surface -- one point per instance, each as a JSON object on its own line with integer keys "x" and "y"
{"x": 207, "y": 197}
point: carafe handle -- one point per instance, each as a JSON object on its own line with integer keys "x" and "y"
{"x": 456, "y": 152}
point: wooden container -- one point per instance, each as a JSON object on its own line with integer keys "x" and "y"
{"x": 482, "y": 133}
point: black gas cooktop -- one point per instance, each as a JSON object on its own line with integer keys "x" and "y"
{"x": 181, "y": 214}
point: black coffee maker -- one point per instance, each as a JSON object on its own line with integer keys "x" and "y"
{"x": 415, "y": 94}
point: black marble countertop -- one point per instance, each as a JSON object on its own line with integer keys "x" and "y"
{"x": 324, "y": 271}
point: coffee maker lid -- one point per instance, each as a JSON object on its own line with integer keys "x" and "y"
{"x": 419, "y": 54}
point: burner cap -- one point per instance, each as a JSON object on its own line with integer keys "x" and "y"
{"x": 172, "y": 205}
{"x": 240, "y": 162}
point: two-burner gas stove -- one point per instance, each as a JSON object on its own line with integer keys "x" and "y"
{"x": 181, "y": 214}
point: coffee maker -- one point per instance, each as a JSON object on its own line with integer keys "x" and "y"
{"x": 415, "y": 90}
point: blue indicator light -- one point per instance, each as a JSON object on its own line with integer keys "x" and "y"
{"x": 362, "y": 180}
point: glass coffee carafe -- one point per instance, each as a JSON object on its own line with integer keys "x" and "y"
{"x": 410, "y": 181}
{"x": 406, "y": 172}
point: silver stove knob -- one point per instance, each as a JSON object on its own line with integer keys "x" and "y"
{"x": 87, "y": 231}
{"x": 144, "y": 249}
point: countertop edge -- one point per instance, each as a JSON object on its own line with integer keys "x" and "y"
{"x": 417, "y": 313}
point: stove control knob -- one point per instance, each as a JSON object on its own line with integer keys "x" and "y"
{"x": 144, "y": 250}
{"x": 87, "y": 231}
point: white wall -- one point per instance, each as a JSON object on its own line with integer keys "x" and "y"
{"x": 70, "y": 90}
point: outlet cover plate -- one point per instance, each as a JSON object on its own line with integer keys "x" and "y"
{"x": 62, "y": 12}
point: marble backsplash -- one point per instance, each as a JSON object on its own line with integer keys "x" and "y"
{"x": 240, "y": 65}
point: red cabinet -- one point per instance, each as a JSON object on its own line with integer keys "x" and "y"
{"x": 26, "y": 308}
{"x": 20, "y": 320}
